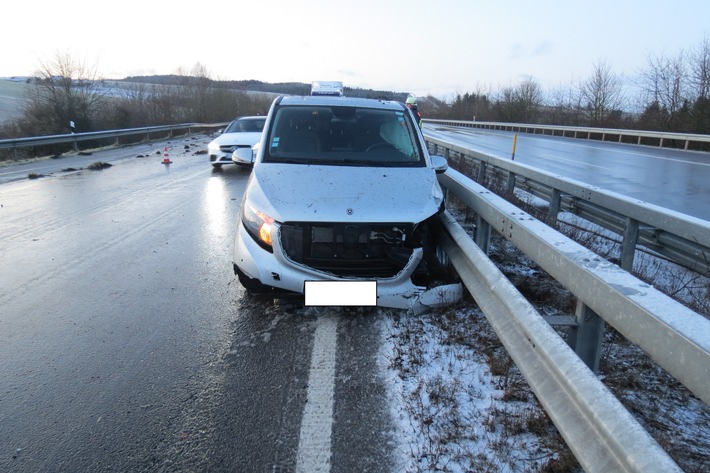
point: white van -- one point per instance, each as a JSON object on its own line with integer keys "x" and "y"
{"x": 327, "y": 88}
{"x": 343, "y": 189}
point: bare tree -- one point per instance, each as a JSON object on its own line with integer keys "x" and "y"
{"x": 64, "y": 90}
{"x": 563, "y": 106}
{"x": 601, "y": 93}
{"x": 207, "y": 100}
{"x": 138, "y": 104}
{"x": 522, "y": 103}
{"x": 700, "y": 66}
{"x": 666, "y": 84}
{"x": 529, "y": 95}
{"x": 196, "y": 88}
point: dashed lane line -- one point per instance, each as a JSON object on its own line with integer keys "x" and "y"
{"x": 314, "y": 445}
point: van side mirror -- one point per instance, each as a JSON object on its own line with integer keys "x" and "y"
{"x": 439, "y": 163}
{"x": 244, "y": 155}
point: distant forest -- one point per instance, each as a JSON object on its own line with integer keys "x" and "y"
{"x": 285, "y": 88}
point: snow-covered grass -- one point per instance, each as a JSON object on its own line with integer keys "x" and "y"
{"x": 460, "y": 403}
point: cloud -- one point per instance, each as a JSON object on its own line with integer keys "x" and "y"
{"x": 521, "y": 52}
{"x": 543, "y": 48}
{"x": 349, "y": 73}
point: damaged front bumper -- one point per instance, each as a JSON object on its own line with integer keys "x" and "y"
{"x": 275, "y": 269}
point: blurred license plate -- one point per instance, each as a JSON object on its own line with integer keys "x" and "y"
{"x": 340, "y": 293}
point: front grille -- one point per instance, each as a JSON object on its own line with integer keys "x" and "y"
{"x": 349, "y": 250}
{"x": 232, "y": 148}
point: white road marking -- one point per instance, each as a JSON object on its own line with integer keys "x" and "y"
{"x": 630, "y": 152}
{"x": 573, "y": 161}
{"x": 317, "y": 423}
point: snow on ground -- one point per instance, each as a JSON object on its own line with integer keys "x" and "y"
{"x": 452, "y": 412}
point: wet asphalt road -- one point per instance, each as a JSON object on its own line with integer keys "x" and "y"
{"x": 670, "y": 178}
{"x": 126, "y": 343}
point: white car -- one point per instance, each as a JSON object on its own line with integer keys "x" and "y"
{"x": 343, "y": 190}
{"x": 243, "y": 132}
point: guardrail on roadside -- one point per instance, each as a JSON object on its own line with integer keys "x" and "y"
{"x": 583, "y": 132}
{"x": 600, "y": 432}
{"x": 681, "y": 238}
{"x": 75, "y": 138}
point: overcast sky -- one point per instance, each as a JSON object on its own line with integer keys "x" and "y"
{"x": 435, "y": 47}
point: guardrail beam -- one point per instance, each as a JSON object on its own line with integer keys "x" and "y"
{"x": 74, "y": 138}
{"x": 677, "y": 338}
{"x": 577, "y": 131}
{"x": 681, "y": 238}
{"x": 601, "y": 433}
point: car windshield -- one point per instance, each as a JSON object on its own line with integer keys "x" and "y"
{"x": 343, "y": 135}
{"x": 253, "y": 125}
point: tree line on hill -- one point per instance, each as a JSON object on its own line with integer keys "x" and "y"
{"x": 277, "y": 88}
{"x": 671, "y": 94}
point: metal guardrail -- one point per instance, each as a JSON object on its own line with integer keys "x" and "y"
{"x": 582, "y": 132}
{"x": 75, "y": 138}
{"x": 600, "y": 432}
{"x": 681, "y": 238}
{"x": 672, "y": 334}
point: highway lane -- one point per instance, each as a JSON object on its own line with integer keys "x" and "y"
{"x": 674, "y": 179}
{"x": 126, "y": 343}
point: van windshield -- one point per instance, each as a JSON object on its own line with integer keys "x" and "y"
{"x": 343, "y": 135}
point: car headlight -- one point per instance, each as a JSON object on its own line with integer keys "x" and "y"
{"x": 259, "y": 226}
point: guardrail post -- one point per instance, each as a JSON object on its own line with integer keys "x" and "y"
{"x": 482, "y": 234}
{"x": 586, "y": 338}
{"x": 554, "y": 209}
{"x": 510, "y": 187}
{"x": 482, "y": 172}
{"x": 628, "y": 244}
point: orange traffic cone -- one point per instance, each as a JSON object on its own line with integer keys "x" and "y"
{"x": 166, "y": 158}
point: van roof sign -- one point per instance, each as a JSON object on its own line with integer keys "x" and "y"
{"x": 330, "y": 88}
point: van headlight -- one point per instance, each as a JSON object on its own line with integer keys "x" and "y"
{"x": 259, "y": 226}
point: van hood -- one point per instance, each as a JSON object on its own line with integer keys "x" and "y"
{"x": 316, "y": 193}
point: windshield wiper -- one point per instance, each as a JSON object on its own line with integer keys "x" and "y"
{"x": 288, "y": 161}
{"x": 359, "y": 162}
